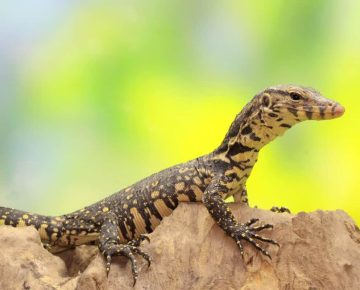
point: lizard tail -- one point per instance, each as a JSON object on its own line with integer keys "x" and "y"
{"x": 19, "y": 218}
{"x": 48, "y": 227}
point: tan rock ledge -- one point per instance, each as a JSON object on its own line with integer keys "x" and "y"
{"x": 319, "y": 250}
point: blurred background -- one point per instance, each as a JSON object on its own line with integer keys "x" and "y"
{"x": 95, "y": 96}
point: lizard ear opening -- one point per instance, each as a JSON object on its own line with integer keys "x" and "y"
{"x": 265, "y": 100}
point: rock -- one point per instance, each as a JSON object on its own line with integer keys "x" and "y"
{"x": 25, "y": 264}
{"x": 319, "y": 250}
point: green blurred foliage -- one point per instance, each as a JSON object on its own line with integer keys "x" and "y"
{"x": 111, "y": 92}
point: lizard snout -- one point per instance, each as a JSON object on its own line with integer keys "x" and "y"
{"x": 338, "y": 110}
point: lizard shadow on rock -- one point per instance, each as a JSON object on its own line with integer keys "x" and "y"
{"x": 78, "y": 259}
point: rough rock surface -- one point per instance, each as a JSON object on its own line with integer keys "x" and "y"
{"x": 319, "y": 250}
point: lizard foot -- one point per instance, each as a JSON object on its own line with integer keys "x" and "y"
{"x": 248, "y": 232}
{"x": 128, "y": 251}
{"x": 280, "y": 209}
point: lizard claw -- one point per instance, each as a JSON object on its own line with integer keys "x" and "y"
{"x": 248, "y": 232}
{"x": 108, "y": 264}
{"x": 140, "y": 252}
{"x": 238, "y": 242}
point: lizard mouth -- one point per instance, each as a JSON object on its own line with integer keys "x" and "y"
{"x": 323, "y": 112}
{"x": 317, "y": 112}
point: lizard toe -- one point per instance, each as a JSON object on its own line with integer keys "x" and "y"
{"x": 281, "y": 209}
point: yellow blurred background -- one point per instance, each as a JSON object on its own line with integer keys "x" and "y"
{"x": 95, "y": 96}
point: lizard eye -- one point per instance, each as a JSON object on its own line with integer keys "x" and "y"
{"x": 295, "y": 96}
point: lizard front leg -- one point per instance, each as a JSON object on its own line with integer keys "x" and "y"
{"x": 109, "y": 245}
{"x": 221, "y": 213}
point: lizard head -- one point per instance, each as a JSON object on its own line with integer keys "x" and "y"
{"x": 287, "y": 105}
{"x": 273, "y": 111}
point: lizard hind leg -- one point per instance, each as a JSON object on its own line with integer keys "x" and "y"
{"x": 110, "y": 245}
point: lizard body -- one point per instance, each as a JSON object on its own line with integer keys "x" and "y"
{"x": 118, "y": 223}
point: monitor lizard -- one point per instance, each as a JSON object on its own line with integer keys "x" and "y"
{"x": 118, "y": 223}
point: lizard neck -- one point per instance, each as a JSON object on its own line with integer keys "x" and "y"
{"x": 251, "y": 130}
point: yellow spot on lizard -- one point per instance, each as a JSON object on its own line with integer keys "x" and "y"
{"x": 54, "y": 236}
{"x": 179, "y": 186}
{"x": 155, "y": 194}
{"x": 21, "y": 223}
{"x": 197, "y": 180}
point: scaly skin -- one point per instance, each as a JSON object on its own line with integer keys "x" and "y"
{"x": 118, "y": 223}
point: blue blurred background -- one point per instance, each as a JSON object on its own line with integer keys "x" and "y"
{"x": 95, "y": 96}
